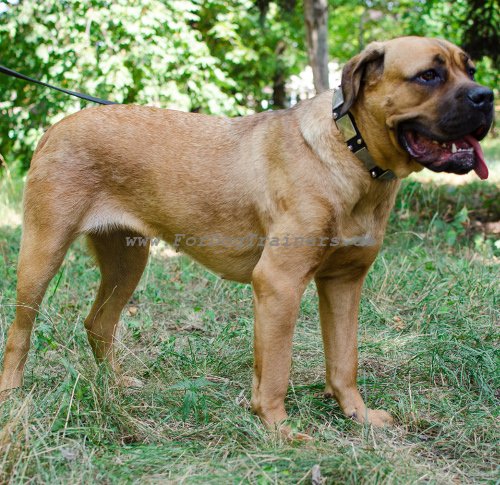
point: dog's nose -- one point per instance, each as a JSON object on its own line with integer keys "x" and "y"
{"x": 481, "y": 98}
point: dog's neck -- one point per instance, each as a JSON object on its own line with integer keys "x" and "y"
{"x": 354, "y": 140}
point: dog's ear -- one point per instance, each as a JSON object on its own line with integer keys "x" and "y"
{"x": 368, "y": 63}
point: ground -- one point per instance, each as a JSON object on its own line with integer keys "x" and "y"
{"x": 428, "y": 354}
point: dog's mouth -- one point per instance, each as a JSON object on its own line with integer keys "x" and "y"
{"x": 457, "y": 155}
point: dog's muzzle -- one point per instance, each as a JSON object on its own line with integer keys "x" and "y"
{"x": 452, "y": 145}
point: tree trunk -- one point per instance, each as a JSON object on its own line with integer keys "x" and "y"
{"x": 316, "y": 19}
{"x": 279, "y": 80}
{"x": 279, "y": 92}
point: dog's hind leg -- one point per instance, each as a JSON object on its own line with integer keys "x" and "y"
{"x": 121, "y": 267}
{"x": 44, "y": 243}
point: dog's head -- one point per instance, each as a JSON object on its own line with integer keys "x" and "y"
{"x": 417, "y": 105}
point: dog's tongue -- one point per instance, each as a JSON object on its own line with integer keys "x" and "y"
{"x": 480, "y": 168}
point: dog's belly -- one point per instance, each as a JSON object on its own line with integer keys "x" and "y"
{"x": 230, "y": 248}
{"x": 228, "y": 263}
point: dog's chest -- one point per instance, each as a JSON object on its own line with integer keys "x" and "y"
{"x": 364, "y": 222}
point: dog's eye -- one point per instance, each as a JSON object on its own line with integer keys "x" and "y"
{"x": 429, "y": 76}
{"x": 471, "y": 71}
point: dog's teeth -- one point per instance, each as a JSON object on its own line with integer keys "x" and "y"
{"x": 443, "y": 145}
{"x": 435, "y": 142}
{"x": 453, "y": 148}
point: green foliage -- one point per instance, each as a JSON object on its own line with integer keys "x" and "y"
{"x": 211, "y": 56}
{"x": 253, "y": 50}
{"x": 455, "y": 228}
{"x": 194, "y": 401}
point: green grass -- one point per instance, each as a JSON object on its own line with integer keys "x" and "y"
{"x": 428, "y": 354}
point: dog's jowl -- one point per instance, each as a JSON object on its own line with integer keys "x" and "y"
{"x": 274, "y": 199}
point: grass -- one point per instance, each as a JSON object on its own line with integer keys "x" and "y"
{"x": 428, "y": 354}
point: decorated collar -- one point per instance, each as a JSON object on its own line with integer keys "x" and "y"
{"x": 354, "y": 141}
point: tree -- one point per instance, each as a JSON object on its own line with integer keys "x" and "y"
{"x": 316, "y": 21}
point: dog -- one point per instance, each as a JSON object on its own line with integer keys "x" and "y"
{"x": 312, "y": 185}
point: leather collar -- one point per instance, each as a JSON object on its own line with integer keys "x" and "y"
{"x": 354, "y": 141}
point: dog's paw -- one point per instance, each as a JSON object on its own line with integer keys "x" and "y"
{"x": 376, "y": 417}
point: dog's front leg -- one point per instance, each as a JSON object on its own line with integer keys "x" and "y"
{"x": 278, "y": 285}
{"x": 339, "y": 299}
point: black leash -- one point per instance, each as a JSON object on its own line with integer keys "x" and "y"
{"x": 86, "y": 97}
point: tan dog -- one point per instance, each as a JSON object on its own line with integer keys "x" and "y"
{"x": 284, "y": 181}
